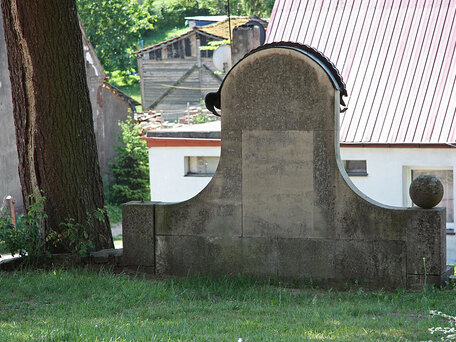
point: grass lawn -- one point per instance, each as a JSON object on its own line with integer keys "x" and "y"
{"x": 154, "y": 37}
{"x": 133, "y": 91}
{"x": 79, "y": 305}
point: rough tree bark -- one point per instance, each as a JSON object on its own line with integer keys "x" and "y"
{"x": 52, "y": 114}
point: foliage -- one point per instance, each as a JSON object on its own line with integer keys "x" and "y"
{"x": 213, "y": 45}
{"x": 74, "y": 237}
{"x": 128, "y": 83}
{"x": 172, "y": 13}
{"x": 201, "y": 118}
{"x": 24, "y": 238}
{"x": 220, "y": 6}
{"x": 260, "y": 8}
{"x": 114, "y": 213}
{"x": 80, "y": 305}
{"x": 114, "y": 27}
{"x": 154, "y": 37}
{"x": 117, "y": 238}
{"x": 131, "y": 166}
{"x": 120, "y": 78}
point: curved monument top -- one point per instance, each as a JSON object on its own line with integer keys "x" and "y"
{"x": 212, "y": 100}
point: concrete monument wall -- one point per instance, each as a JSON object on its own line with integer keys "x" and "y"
{"x": 281, "y": 204}
{"x": 9, "y": 176}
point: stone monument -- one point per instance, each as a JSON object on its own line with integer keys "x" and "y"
{"x": 281, "y": 204}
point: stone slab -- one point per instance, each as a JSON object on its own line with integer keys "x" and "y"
{"x": 138, "y": 234}
{"x": 376, "y": 263}
{"x": 306, "y": 259}
{"x": 207, "y": 218}
{"x": 426, "y": 239}
{"x": 192, "y": 255}
{"x": 277, "y": 183}
{"x": 419, "y": 281}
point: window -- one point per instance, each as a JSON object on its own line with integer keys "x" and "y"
{"x": 176, "y": 49}
{"x": 188, "y": 47}
{"x": 446, "y": 177}
{"x": 204, "y": 41}
{"x": 355, "y": 167}
{"x": 200, "y": 166}
{"x": 157, "y": 55}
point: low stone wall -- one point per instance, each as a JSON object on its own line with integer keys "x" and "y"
{"x": 281, "y": 203}
{"x": 390, "y": 259}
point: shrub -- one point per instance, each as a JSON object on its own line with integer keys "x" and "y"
{"x": 74, "y": 238}
{"x": 25, "y": 239}
{"x": 130, "y": 169}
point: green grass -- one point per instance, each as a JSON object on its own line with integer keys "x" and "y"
{"x": 133, "y": 91}
{"x": 129, "y": 84}
{"x": 154, "y": 37}
{"x": 79, "y": 305}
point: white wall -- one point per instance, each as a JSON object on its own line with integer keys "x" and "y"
{"x": 168, "y": 182}
{"x": 389, "y": 170}
{"x": 387, "y": 181}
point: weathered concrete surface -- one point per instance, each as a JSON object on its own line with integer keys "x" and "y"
{"x": 426, "y": 191}
{"x": 107, "y": 109}
{"x": 138, "y": 235}
{"x": 281, "y": 203}
{"x": 9, "y": 175}
{"x": 245, "y": 39}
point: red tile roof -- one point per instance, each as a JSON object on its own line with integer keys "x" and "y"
{"x": 397, "y": 58}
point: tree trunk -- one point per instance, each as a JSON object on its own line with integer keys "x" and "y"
{"x": 53, "y": 116}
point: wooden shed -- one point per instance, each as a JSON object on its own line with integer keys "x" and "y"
{"x": 175, "y": 72}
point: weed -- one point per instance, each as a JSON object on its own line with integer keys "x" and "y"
{"x": 73, "y": 236}
{"x": 446, "y": 333}
{"x": 25, "y": 237}
{"x": 27, "y": 240}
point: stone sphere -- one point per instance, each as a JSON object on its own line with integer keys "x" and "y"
{"x": 426, "y": 191}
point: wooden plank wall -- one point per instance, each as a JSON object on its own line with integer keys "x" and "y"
{"x": 155, "y": 75}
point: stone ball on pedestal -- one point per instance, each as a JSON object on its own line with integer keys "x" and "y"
{"x": 426, "y": 191}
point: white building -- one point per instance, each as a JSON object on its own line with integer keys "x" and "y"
{"x": 183, "y": 160}
{"x": 385, "y": 173}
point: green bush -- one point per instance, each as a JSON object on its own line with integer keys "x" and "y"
{"x": 25, "y": 239}
{"x": 130, "y": 169}
{"x": 74, "y": 238}
{"x": 114, "y": 213}
{"x": 114, "y": 28}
